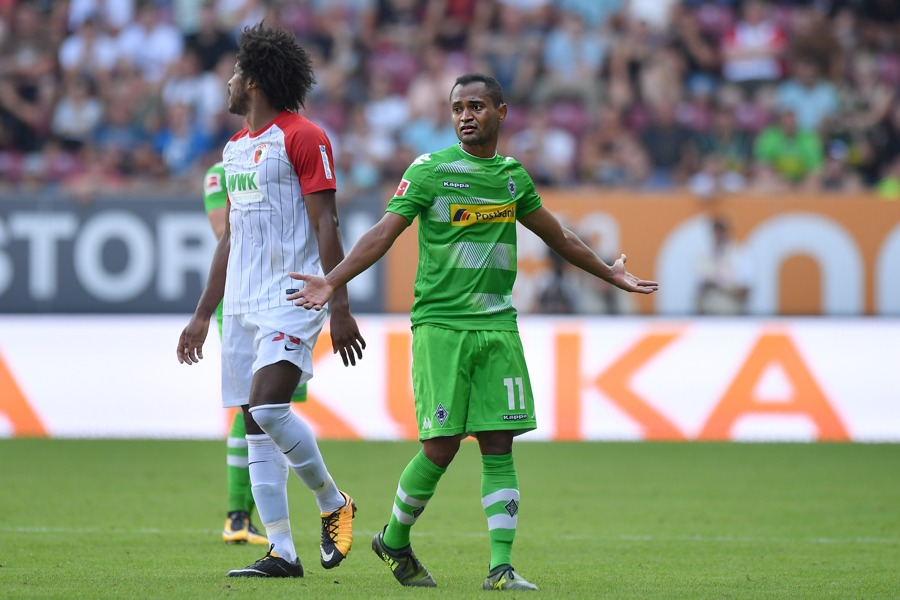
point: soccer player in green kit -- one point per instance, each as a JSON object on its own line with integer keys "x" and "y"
{"x": 469, "y": 372}
{"x": 238, "y": 528}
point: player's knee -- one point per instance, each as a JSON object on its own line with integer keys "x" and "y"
{"x": 269, "y": 416}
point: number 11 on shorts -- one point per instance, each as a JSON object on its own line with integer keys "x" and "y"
{"x": 511, "y": 384}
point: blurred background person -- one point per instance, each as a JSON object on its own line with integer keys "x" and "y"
{"x": 724, "y": 274}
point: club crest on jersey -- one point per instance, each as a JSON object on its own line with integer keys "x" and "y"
{"x": 260, "y": 153}
{"x": 511, "y": 186}
{"x": 463, "y": 215}
{"x": 401, "y": 189}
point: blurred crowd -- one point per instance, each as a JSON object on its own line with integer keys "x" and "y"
{"x": 713, "y": 96}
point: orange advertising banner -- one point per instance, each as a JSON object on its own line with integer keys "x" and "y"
{"x": 810, "y": 255}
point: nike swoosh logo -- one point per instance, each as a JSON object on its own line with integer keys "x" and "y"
{"x": 326, "y": 557}
{"x": 289, "y": 349}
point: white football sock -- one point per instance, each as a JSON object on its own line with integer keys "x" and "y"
{"x": 268, "y": 480}
{"x": 298, "y": 443}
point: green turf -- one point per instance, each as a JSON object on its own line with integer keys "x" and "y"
{"x": 141, "y": 519}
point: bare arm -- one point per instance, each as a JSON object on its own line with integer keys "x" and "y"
{"x": 568, "y": 245}
{"x": 322, "y": 209}
{"x": 190, "y": 343}
{"x": 345, "y": 335}
{"x": 218, "y": 218}
{"x": 365, "y": 253}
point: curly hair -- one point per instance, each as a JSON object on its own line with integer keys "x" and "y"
{"x": 272, "y": 58}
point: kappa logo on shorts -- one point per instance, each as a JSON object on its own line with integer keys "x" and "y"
{"x": 517, "y": 417}
{"x": 441, "y": 414}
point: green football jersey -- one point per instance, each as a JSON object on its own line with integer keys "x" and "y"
{"x": 215, "y": 196}
{"x": 467, "y": 208}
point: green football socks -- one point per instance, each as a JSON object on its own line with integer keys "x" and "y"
{"x": 240, "y": 496}
{"x": 417, "y": 484}
{"x": 500, "y": 499}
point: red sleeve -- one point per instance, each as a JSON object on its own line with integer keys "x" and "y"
{"x": 309, "y": 150}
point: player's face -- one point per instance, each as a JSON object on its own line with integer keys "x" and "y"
{"x": 238, "y": 99}
{"x": 475, "y": 118}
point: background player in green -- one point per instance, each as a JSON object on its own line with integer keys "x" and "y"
{"x": 238, "y": 525}
{"x": 469, "y": 372}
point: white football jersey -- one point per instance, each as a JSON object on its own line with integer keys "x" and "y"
{"x": 267, "y": 174}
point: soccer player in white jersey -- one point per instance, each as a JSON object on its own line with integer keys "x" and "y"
{"x": 280, "y": 182}
{"x": 469, "y": 372}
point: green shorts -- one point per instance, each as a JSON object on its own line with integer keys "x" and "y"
{"x": 470, "y": 381}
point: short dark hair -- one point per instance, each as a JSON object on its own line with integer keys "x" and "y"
{"x": 272, "y": 58}
{"x": 494, "y": 89}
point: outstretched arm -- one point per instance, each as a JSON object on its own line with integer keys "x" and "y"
{"x": 317, "y": 291}
{"x": 568, "y": 245}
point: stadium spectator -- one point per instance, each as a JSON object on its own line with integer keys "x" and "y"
{"x": 181, "y": 144}
{"x": 150, "y": 43}
{"x": 451, "y": 24}
{"x": 753, "y": 49}
{"x": 386, "y": 110}
{"x": 362, "y": 155}
{"x": 609, "y": 153}
{"x": 807, "y": 94}
{"x": 708, "y": 55}
{"x": 511, "y": 51}
{"x": 726, "y": 141}
{"x": 201, "y": 91}
{"x": 702, "y": 61}
{"x": 888, "y": 187}
{"x": 671, "y": 147}
{"x": 78, "y": 113}
{"x": 112, "y": 16}
{"x": 571, "y": 62}
{"x": 28, "y": 87}
{"x": 89, "y": 52}
{"x": 434, "y": 75}
{"x": 210, "y": 42}
{"x": 554, "y": 149}
{"x": 793, "y": 154}
{"x": 422, "y": 133}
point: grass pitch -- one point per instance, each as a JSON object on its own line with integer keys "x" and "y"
{"x": 141, "y": 519}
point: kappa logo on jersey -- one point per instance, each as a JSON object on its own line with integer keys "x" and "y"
{"x": 260, "y": 153}
{"x": 463, "y": 215}
{"x": 401, "y": 189}
{"x": 213, "y": 183}
{"x": 455, "y": 184}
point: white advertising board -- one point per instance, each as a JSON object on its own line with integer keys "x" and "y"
{"x": 593, "y": 378}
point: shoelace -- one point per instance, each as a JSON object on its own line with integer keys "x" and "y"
{"x": 269, "y": 553}
{"x": 330, "y": 525}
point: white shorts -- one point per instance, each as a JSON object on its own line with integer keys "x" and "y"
{"x": 253, "y": 340}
